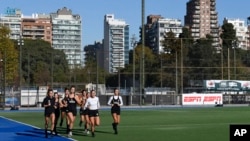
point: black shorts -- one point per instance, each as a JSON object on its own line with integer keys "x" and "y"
{"x": 116, "y": 109}
{"x": 57, "y": 113}
{"x": 47, "y": 114}
{"x": 63, "y": 109}
{"x": 84, "y": 112}
{"x": 74, "y": 112}
{"x": 93, "y": 113}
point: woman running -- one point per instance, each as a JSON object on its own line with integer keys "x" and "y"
{"x": 93, "y": 104}
{"x": 63, "y": 106}
{"x": 84, "y": 117}
{"x": 57, "y": 110}
{"x": 115, "y": 102}
{"x": 49, "y": 111}
{"x": 72, "y": 102}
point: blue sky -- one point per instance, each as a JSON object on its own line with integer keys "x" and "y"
{"x": 92, "y": 11}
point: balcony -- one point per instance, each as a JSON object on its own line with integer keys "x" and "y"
{"x": 196, "y": 16}
{"x": 213, "y": 21}
{"x": 197, "y": 12}
{"x": 195, "y": 30}
{"x": 196, "y": 21}
{"x": 197, "y": 7}
{"x": 214, "y": 17}
{"x": 213, "y": 13}
{"x": 32, "y": 28}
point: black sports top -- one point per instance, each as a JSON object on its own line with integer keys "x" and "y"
{"x": 71, "y": 104}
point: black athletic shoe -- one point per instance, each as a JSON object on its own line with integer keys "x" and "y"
{"x": 93, "y": 134}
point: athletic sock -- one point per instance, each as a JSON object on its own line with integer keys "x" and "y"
{"x": 113, "y": 125}
{"x": 61, "y": 122}
{"x": 67, "y": 131}
{"x": 116, "y": 132}
{"x": 55, "y": 131}
{"x": 85, "y": 126}
{"x": 80, "y": 123}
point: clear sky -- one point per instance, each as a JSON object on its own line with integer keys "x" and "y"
{"x": 92, "y": 11}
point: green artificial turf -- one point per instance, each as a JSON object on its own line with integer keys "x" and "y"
{"x": 165, "y": 124}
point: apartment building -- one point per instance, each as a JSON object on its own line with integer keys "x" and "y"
{"x": 202, "y": 19}
{"x": 67, "y": 34}
{"x": 156, "y": 29}
{"x": 242, "y": 33}
{"x": 12, "y": 18}
{"x": 62, "y": 29}
{"x": 37, "y": 26}
{"x": 116, "y": 43}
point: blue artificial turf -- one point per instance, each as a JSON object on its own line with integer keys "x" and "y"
{"x": 11, "y": 130}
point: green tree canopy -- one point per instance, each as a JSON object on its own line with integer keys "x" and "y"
{"x": 40, "y": 62}
{"x": 8, "y": 57}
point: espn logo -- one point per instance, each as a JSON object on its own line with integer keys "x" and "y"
{"x": 239, "y": 132}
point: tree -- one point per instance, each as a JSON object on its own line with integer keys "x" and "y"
{"x": 228, "y": 35}
{"x": 187, "y": 43}
{"x": 8, "y": 56}
{"x": 229, "y": 39}
{"x": 201, "y": 60}
{"x": 41, "y": 63}
{"x": 173, "y": 54}
{"x": 126, "y": 73}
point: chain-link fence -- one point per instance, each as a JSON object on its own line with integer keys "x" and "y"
{"x": 34, "y": 97}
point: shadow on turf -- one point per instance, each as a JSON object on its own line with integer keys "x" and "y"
{"x": 32, "y": 133}
{"x": 104, "y": 132}
{"x": 28, "y": 134}
{"x": 79, "y": 132}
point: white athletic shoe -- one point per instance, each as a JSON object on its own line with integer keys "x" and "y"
{"x": 70, "y": 134}
{"x": 86, "y": 132}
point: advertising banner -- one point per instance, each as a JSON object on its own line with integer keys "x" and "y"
{"x": 227, "y": 85}
{"x": 202, "y": 99}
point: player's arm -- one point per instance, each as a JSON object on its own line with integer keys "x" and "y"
{"x": 121, "y": 102}
{"x": 98, "y": 103}
{"x": 86, "y": 104}
{"x": 78, "y": 100}
{"x": 109, "y": 102}
{"x": 45, "y": 103}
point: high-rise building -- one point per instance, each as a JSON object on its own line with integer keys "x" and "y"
{"x": 116, "y": 43}
{"x": 241, "y": 32}
{"x": 66, "y": 35}
{"x": 150, "y": 39}
{"x": 12, "y": 20}
{"x": 156, "y": 29}
{"x": 91, "y": 52}
{"x": 37, "y": 26}
{"x": 248, "y": 27}
{"x": 202, "y": 19}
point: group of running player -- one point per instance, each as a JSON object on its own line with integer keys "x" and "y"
{"x": 66, "y": 107}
